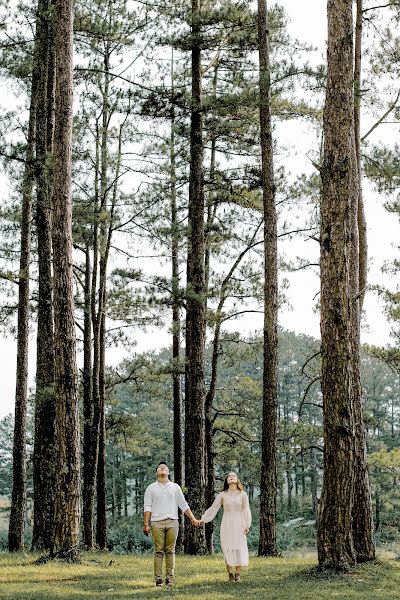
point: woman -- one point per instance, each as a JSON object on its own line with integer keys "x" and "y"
{"x": 235, "y": 524}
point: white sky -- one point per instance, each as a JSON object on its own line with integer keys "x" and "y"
{"x": 308, "y": 24}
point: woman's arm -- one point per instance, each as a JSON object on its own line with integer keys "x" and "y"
{"x": 246, "y": 511}
{"x": 212, "y": 511}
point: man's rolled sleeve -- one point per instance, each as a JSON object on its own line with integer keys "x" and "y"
{"x": 183, "y": 505}
{"x": 147, "y": 501}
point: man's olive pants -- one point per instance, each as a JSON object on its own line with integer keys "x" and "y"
{"x": 164, "y": 537}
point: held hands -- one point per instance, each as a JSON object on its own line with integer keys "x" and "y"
{"x": 246, "y": 531}
{"x": 196, "y": 523}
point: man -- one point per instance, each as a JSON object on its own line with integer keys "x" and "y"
{"x": 161, "y": 502}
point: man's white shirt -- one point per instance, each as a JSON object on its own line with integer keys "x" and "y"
{"x": 163, "y": 501}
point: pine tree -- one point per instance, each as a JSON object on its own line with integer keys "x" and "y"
{"x": 67, "y": 492}
{"x": 339, "y": 205}
{"x": 44, "y": 455}
{"x": 18, "y": 502}
{"x": 268, "y": 486}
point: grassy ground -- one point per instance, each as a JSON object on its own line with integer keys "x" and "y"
{"x": 287, "y": 578}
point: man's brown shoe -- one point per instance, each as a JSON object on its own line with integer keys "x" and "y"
{"x": 169, "y": 582}
{"x": 158, "y": 581}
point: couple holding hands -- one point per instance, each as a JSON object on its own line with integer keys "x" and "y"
{"x": 161, "y": 502}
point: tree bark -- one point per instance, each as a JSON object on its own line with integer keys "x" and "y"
{"x": 176, "y": 324}
{"x": 18, "y": 498}
{"x": 195, "y": 314}
{"x": 67, "y": 499}
{"x": 44, "y": 454}
{"x": 339, "y": 200}
{"x": 98, "y": 309}
{"x": 104, "y": 250}
{"x": 268, "y": 486}
{"x": 362, "y": 523}
{"x": 101, "y": 521}
{"x": 209, "y": 431}
{"x": 210, "y": 396}
{"x": 361, "y": 221}
{"x": 90, "y": 417}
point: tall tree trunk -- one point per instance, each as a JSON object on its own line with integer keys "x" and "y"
{"x": 44, "y": 455}
{"x": 18, "y": 498}
{"x": 362, "y": 524}
{"x": 339, "y": 201}
{"x": 104, "y": 247}
{"x": 176, "y": 324}
{"x": 90, "y": 417}
{"x": 361, "y": 221}
{"x": 91, "y": 397}
{"x": 67, "y": 500}
{"x": 101, "y": 521}
{"x": 195, "y": 314}
{"x": 210, "y": 396}
{"x": 98, "y": 298}
{"x": 209, "y": 433}
{"x": 268, "y": 486}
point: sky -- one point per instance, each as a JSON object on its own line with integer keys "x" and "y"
{"x": 308, "y": 24}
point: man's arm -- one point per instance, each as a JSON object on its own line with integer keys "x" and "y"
{"x": 147, "y": 511}
{"x": 184, "y": 506}
{"x": 195, "y": 522}
{"x": 146, "y": 526}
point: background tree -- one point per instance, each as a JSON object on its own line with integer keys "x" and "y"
{"x": 339, "y": 202}
{"x": 18, "y": 504}
{"x": 44, "y": 459}
{"x": 67, "y": 496}
{"x": 268, "y": 483}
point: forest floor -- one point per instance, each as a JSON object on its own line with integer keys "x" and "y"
{"x": 108, "y": 577}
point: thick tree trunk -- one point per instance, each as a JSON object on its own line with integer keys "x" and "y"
{"x": 18, "y": 498}
{"x": 195, "y": 315}
{"x": 67, "y": 500}
{"x": 268, "y": 486}
{"x": 362, "y": 524}
{"x": 339, "y": 200}
{"x": 44, "y": 455}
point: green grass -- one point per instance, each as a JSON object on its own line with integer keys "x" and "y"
{"x": 287, "y": 578}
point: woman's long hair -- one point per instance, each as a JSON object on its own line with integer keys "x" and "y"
{"x": 225, "y": 485}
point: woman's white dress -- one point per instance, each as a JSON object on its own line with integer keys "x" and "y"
{"x": 236, "y": 518}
